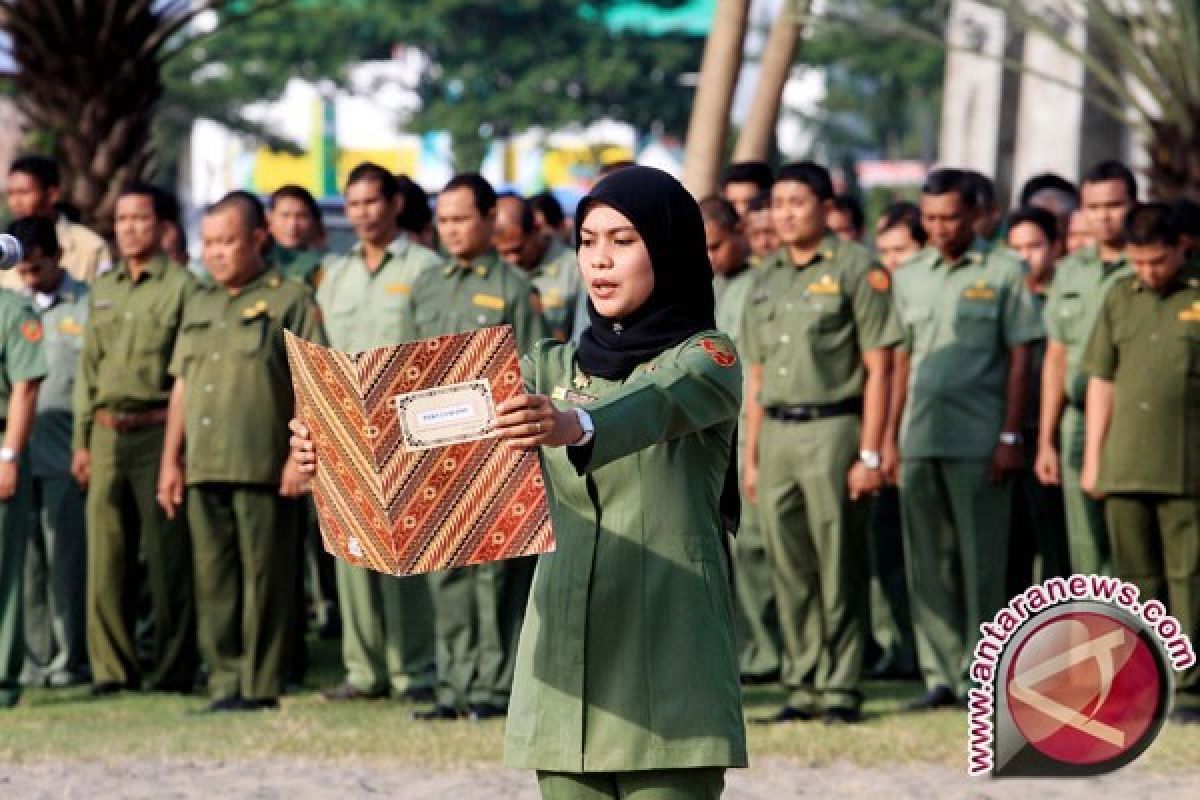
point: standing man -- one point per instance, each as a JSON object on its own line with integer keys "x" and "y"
{"x": 847, "y": 219}
{"x": 1081, "y": 280}
{"x": 899, "y": 235}
{"x": 120, "y": 403}
{"x": 743, "y": 181}
{"x": 479, "y": 610}
{"x": 550, "y": 267}
{"x": 1143, "y": 398}
{"x": 387, "y": 621}
{"x": 817, "y": 335}
{"x": 550, "y": 219}
{"x": 296, "y": 227}
{"x": 56, "y": 562}
{"x": 960, "y": 385}
{"x": 34, "y": 187}
{"x": 236, "y": 466}
{"x": 758, "y": 616}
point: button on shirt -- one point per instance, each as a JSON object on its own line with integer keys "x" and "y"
{"x": 960, "y": 321}
{"x": 808, "y": 325}
{"x": 1147, "y": 344}
{"x": 63, "y": 313}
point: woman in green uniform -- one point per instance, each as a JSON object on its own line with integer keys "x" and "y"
{"x": 627, "y": 676}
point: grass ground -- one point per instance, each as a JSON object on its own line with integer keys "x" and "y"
{"x": 68, "y": 724}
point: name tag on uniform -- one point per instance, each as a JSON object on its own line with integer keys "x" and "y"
{"x": 100, "y": 305}
{"x": 397, "y": 288}
{"x": 980, "y": 291}
{"x": 827, "y": 285}
{"x": 488, "y": 301}
{"x": 572, "y": 396}
{"x": 1191, "y": 314}
{"x": 70, "y": 327}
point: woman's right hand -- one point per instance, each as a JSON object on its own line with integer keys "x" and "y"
{"x": 303, "y": 455}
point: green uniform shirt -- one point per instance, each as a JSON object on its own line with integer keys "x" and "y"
{"x": 1148, "y": 345}
{"x": 22, "y": 357}
{"x": 809, "y": 325}
{"x": 63, "y": 314}
{"x": 960, "y": 322}
{"x": 1080, "y": 282}
{"x": 300, "y": 264}
{"x": 557, "y": 281}
{"x": 732, "y": 293}
{"x": 456, "y": 299}
{"x": 127, "y": 341}
{"x": 237, "y": 387}
{"x": 364, "y": 309}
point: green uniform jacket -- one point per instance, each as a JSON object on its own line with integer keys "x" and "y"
{"x": 62, "y": 324}
{"x": 731, "y": 292}
{"x": 557, "y": 280}
{"x": 128, "y": 341}
{"x": 1148, "y": 345}
{"x": 627, "y": 658}
{"x": 237, "y": 386}
{"x": 21, "y": 355}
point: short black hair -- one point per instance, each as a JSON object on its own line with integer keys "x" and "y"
{"x": 42, "y": 169}
{"x": 809, "y": 173}
{"x": 982, "y": 187}
{"x": 904, "y": 214}
{"x": 247, "y": 205}
{"x": 484, "y": 194}
{"x": 849, "y": 204}
{"x": 35, "y": 233}
{"x": 525, "y": 216}
{"x": 760, "y": 202}
{"x": 1043, "y": 181}
{"x": 415, "y": 217}
{"x": 720, "y": 212}
{"x": 1112, "y": 171}
{"x": 948, "y": 180}
{"x": 293, "y": 192}
{"x": 1187, "y": 216}
{"x": 162, "y": 206}
{"x": 370, "y": 171}
{"x": 1151, "y": 223}
{"x": 168, "y": 204}
{"x": 757, "y": 172}
{"x": 1040, "y": 217}
{"x": 548, "y": 206}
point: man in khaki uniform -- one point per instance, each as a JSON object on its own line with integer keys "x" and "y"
{"x": 478, "y": 609}
{"x": 1108, "y": 192}
{"x": 1143, "y": 423}
{"x": 120, "y": 403}
{"x": 387, "y": 621}
{"x": 34, "y": 186}
{"x": 817, "y": 335}
{"x": 550, "y": 266}
{"x": 236, "y": 466}
{"x": 56, "y": 560}
{"x": 960, "y": 388}
{"x": 296, "y": 226}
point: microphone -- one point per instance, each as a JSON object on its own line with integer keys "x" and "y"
{"x": 10, "y": 251}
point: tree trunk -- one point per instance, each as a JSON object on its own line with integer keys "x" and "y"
{"x": 758, "y": 133}
{"x": 708, "y": 128}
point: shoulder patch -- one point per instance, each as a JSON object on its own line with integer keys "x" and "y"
{"x": 879, "y": 279}
{"x": 32, "y": 330}
{"x": 721, "y": 353}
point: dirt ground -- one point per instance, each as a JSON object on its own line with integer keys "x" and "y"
{"x": 767, "y": 780}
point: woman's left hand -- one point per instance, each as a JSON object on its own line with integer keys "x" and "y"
{"x": 531, "y": 420}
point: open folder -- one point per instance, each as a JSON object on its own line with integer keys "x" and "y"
{"x": 410, "y": 477}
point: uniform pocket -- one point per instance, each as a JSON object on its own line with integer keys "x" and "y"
{"x": 1070, "y": 316}
{"x": 252, "y": 334}
{"x": 975, "y": 324}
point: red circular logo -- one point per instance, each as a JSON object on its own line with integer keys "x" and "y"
{"x": 1085, "y": 688}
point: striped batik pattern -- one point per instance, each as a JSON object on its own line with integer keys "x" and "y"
{"x": 403, "y": 512}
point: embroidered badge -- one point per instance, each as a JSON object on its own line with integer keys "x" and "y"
{"x": 721, "y": 353}
{"x": 32, "y": 330}
{"x": 826, "y": 285}
{"x": 1191, "y": 314}
{"x": 980, "y": 291}
{"x": 70, "y": 327}
{"x": 552, "y": 299}
{"x": 879, "y": 279}
{"x": 273, "y": 282}
{"x": 488, "y": 301}
{"x": 256, "y": 310}
{"x": 581, "y": 381}
{"x": 569, "y": 396}
{"x": 397, "y": 288}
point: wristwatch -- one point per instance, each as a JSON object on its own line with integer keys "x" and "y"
{"x": 585, "y": 424}
{"x": 870, "y": 459}
{"x": 1010, "y": 438}
{"x": 7, "y": 455}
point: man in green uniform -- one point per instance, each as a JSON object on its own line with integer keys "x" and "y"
{"x": 478, "y": 610}
{"x": 550, "y": 266}
{"x": 296, "y": 228}
{"x": 817, "y": 336}
{"x": 236, "y": 466}
{"x": 758, "y": 617}
{"x": 120, "y": 400}
{"x": 22, "y": 367}
{"x": 959, "y": 396}
{"x": 743, "y": 181}
{"x": 1080, "y": 282}
{"x": 1143, "y": 399}
{"x": 56, "y": 561}
{"x": 387, "y": 621}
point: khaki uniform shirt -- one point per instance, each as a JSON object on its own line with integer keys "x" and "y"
{"x": 627, "y": 659}
{"x": 558, "y": 282}
{"x": 364, "y": 309}
{"x": 960, "y": 322}
{"x": 237, "y": 385}
{"x": 731, "y": 293}
{"x": 128, "y": 340}
{"x": 808, "y": 325}
{"x": 1148, "y": 345}
{"x": 1080, "y": 282}
{"x": 22, "y": 357}
{"x": 457, "y": 299}
{"x": 63, "y": 314}
{"x": 85, "y": 254}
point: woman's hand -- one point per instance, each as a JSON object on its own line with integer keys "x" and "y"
{"x": 531, "y": 420}
{"x": 303, "y": 456}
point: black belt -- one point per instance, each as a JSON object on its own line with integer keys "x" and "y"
{"x": 808, "y": 413}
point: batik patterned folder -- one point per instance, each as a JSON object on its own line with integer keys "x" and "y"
{"x": 388, "y": 496}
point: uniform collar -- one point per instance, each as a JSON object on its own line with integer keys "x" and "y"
{"x": 397, "y": 247}
{"x": 269, "y": 276}
{"x": 480, "y": 265}
{"x": 550, "y": 263}
{"x": 68, "y": 290}
{"x": 826, "y": 251}
{"x": 975, "y": 254}
{"x": 153, "y": 270}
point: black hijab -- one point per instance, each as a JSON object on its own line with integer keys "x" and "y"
{"x": 681, "y": 305}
